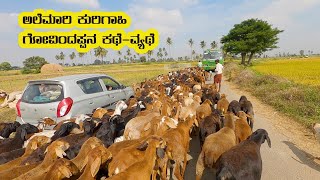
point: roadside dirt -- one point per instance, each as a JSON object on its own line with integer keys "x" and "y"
{"x": 292, "y": 154}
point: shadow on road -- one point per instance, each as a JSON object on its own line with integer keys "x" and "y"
{"x": 190, "y": 173}
{"x": 304, "y": 157}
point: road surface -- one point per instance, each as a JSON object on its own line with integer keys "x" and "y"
{"x": 284, "y": 160}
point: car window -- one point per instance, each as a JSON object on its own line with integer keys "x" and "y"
{"x": 110, "y": 84}
{"x": 90, "y": 86}
{"x": 42, "y": 93}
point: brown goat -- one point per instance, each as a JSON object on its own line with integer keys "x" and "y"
{"x": 128, "y": 156}
{"x": 61, "y": 169}
{"x": 223, "y": 104}
{"x": 54, "y": 151}
{"x": 216, "y": 144}
{"x": 242, "y": 128}
{"x": 33, "y": 145}
{"x": 143, "y": 169}
{"x": 95, "y": 158}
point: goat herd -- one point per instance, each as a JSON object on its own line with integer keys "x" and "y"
{"x": 145, "y": 137}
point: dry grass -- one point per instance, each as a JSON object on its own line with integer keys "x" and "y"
{"x": 124, "y": 73}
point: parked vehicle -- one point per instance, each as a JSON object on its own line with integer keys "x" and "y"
{"x": 64, "y": 97}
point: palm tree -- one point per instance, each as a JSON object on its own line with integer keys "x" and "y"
{"x": 57, "y": 57}
{"x": 193, "y": 53}
{"x": 62, "y": 56}
{"x": 72, "y": 56}
{"x": 213, "y": 45}
{"x": 165, "y": 54}
{"x": 203, "y": 45}
{"x": 100, "y": 52}
{"x": 119, "y": 54}
{"x": 169, "y": 43}
{"x": 150, "y": 53}
{"x": 191, "y": 44}
{"x": 80, "y": 56}
{"x": 128, "y": 53}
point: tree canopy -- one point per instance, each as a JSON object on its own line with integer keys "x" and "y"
{"x": 250, "y": 37}
{"x": 34, "y": 62}
{"x": 5, "y": 66}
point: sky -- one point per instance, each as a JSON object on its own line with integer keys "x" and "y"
{"x": 181, "y": 20}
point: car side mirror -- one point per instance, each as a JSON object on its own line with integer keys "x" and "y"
{"x": 123, "y": 87}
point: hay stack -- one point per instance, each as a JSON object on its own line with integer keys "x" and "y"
{"x": 51, "y": 68}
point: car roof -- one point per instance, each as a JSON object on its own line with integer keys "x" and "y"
{"x": 71, "y": 77}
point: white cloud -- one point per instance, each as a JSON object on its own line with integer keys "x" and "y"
{"x": 165, "y": 21}
{"x": 9, "y": 22}
{"x": 167, "y": 3}
{"x": 281, "y": 12}
{"x": 85, "y": 3}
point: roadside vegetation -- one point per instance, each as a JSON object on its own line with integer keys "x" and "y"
{"x": 283, "y": 85}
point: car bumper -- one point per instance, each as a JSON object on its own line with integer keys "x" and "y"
{"x": 36, "y": 122}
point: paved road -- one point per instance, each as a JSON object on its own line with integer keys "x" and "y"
{"x": 283, "y": 161}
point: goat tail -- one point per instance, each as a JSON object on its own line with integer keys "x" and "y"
{"x": 209, "y": 159}
{"x": 225, "y": 174}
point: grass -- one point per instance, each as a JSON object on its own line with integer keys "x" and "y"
{"x": 126, "y": 74}
{"x": 297, "y": 99}
{"x": 301, "y": 71}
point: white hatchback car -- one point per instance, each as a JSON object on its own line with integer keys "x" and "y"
{"x": 64, "y": 97}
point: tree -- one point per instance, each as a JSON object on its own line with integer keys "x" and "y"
{"x": 193, "y": 53}
{"x": 72, "y": 56}
{"x": 213, "y": 45}
{"x": 61, "y": 57}
{"x": 190, "y": 42}
{"x": 203, "y": 45}
{"x": 252, "y": 36}
{"x": 302, "y": 52}
{"x": 81, "y": 56}
{"x": 5, "y": 66}
{"x": 128, "y": 53}
{"x": 169, "y": 43}
{"x": 143, "y": 58}
{"x": 100, "y": 52}
{"x": 34, "y": 62}
{"x": 150, "y": 53}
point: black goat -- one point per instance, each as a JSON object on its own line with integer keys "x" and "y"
{"x": 210, "y": 125}
{"x": 9, "y": 128}
{"x": 9, "y": 156}
{"x": 243, "y": 161}
{"x": 107, "y": 133}
{"x": 234, "y": 107}
{"x": 64, "y": 130}
{"x": 247, "y": 107}
{"x": 19, "y": 138}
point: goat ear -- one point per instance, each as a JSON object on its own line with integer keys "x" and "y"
{"x": 59, "y": 152}
{"x": 268, "y": 140}
{"x": 85, "y": 162}
{"x": 23, "y": 133}
{"x": 34, "y": 145}
{"x": 160, "y": 153}
{"x": 170, "y": 124}
{"x": 147, "y": 127}
{"x": 196, "y": 122}
{"x": 65, "y": 171}
{"x": 95, "y": 166}
{"x": 143, "y": 146}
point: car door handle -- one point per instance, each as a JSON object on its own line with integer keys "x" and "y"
{"x": 112, "y": 96}
{"x": 90, "y": 102}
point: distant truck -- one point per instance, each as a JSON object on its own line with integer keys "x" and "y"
{"x": 209, "y": 58}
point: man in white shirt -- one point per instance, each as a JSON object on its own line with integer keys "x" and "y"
{"x": 199, "y": 64}
{"x": 218, "y": 76}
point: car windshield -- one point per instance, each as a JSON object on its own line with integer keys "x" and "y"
{"x": 42, "y": 93}
{"x": 212, "y": 55}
